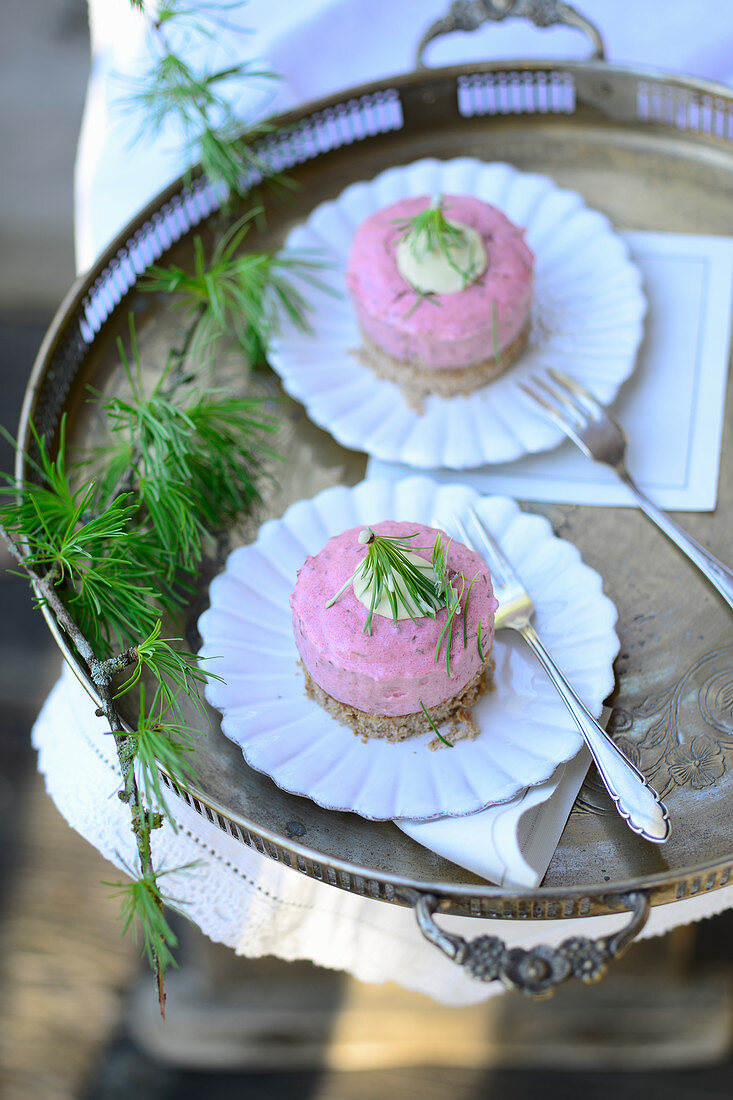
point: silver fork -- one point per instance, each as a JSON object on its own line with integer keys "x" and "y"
{"x": 636, "y": 801}
{"x": 600, "y": 436}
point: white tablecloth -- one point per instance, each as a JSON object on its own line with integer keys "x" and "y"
{"x": 235, "y": 895}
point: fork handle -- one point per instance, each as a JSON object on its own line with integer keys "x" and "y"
{"x": 717, "y": 573}
{"x": 637, "y": 802}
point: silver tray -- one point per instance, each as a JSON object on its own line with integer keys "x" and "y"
{"x": 652, "y": 151}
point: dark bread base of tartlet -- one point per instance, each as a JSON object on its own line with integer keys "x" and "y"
{"x": 418, "y": 381}
{"x": 406, "y": 725}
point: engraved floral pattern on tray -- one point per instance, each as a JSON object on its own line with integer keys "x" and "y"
{"x": 668, "y": 756}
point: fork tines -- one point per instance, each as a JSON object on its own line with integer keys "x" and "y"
{"x": 562, "y": 397}
{"x": 488, "y": 547}
{"x": 457, "y": 527}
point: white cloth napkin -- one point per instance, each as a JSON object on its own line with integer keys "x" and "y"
{"x": 671, "y": 407}
{"x": 511, "y": 844}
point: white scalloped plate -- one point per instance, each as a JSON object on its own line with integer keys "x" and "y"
{"x": 587, "y": 321}
{"x": 525, "y": 731}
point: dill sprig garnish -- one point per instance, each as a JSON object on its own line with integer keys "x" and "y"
{"x": 430, "y": 231}
{"x": 433, "y": 726}
{"x": 420, "y": 297}
{"x": 450, "y": 596}
{"x": 495, "y": 335}
{"x": 388, "y": 571}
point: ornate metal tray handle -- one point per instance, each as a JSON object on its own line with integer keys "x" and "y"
{"x": 469, "y": 15}
{"x": 538, "y": 970}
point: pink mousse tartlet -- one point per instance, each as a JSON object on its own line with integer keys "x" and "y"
{"x": 382, "y": 683}
{"x": 442, "y": 343}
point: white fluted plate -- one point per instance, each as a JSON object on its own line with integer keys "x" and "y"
{"x": 587, "y": 320}
{"x": 525, "y": 731}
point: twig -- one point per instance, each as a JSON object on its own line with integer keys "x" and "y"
{"x": 102, "y": 674}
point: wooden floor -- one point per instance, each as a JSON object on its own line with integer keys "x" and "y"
{"x": 426, "y": 1083}
{"x": 77, "y": 1011}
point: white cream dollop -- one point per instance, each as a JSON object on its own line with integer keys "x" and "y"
{"x": 405, "y": 608}
{"x": 438, "y": 271}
